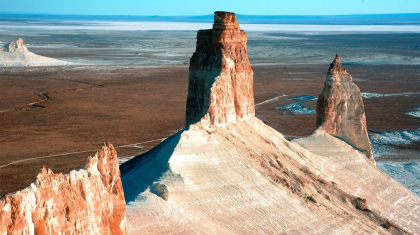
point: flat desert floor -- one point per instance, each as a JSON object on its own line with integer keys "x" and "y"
{"x": 131, "y": 91}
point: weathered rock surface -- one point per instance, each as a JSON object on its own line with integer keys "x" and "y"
{"x": 88, "y": 201}
{"x": 361, "y": 203}
{"x": 340, "y": 110}
{"x": 13, "y": 47}
{"x": 229, "y": 173}
{"x": 220, "y": 79}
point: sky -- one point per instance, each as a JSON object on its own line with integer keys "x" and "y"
{"x": 206, "y": 7}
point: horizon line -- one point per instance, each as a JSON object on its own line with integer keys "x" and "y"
{"x": 58, "y": 14}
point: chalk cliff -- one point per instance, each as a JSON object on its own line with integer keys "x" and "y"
{"x": 87, "y": 201}
{"x": 220, "y": 76}
{"x": 340, "y": 110}
{"x": 229, "y": 173}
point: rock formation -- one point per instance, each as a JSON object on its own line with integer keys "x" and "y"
{"x": 340, "y": 110}
{"x": 15, "y": 54}
{"x": 13, "y": 47}
{"x": 221, "y": 79}
{"x": 229, "y": 173}
{"x": 88, "y": 201}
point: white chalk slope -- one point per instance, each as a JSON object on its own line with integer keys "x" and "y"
{"x": 247, "y": 179}
{"x": 27, "y": 58}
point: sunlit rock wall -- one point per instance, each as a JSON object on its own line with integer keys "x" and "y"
{"x": 87, "y": 201}
{"x": 220, "y": 75}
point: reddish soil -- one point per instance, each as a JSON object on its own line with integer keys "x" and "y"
{"x": 89, "y": 105}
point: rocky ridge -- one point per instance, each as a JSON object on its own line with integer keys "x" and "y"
{"x": 340, "y": 110}
{"x": 88, "y": 201}
{"x": 229, "y": 173}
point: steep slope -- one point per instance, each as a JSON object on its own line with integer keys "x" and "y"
{"x": 229, "y": 173}
{"x": 349, "y": 169}
{"x": 17, "y": 54}
{"x": 88, "y": 201}
{"x": 340, "y": 111}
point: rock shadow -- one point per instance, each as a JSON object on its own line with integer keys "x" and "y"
{"x": 142, "y": 171}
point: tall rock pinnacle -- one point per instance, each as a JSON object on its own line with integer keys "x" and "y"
{"x": 220, "y": 75}
{"x": 340, "y": 110}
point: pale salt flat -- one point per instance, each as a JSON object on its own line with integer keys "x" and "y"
{"x": 299, "y": 107}
{"x": 394, "y": 137}
{"x": 382, "y": 141}
{"x": 186, "y": 26}
{"x": 407, "y": 173}
{"x": 376, "y": 95}
{"x": 415, "y": 113}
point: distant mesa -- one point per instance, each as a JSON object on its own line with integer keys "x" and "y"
{"x": 340, "y": 110}
{"x": 16, "y": 54}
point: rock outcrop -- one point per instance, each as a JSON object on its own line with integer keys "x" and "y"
{"x": 220, "y": 75}
{"x": 229, "y": 173}
{"x": 340, "y": 110}
{"x": 16, "y": 54}
{"x": 13, "y": 47}
{"x": 88, "y": 201}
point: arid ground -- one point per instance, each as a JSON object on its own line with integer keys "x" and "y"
{"x": 133, "y": 93}
{"x": 135, "y": 108}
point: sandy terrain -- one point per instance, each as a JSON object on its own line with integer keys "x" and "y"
{"x": 125, "y": 105}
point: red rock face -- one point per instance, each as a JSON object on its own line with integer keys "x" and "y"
{"x": 220, "y": 75}
{"x": 340, "y": 110}
{"x": 88, "y": 201}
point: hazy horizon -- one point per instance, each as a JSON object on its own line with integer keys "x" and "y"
{"x": 354, "y": 19}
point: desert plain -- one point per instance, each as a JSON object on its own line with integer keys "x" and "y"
{"x": 130, "y": 88}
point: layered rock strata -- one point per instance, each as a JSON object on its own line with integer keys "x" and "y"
{"x": 13, "y": 47}
{"x": 243, "y": 177}
{"x": 340, "y": 110}
{"x": 88, "y": 201}
{"x": 220, "y": 75}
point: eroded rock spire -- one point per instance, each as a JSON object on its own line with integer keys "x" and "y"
{"x": 220, "y": 75}
{"x": 340, "y": 110}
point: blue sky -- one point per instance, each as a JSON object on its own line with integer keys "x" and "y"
{"x": 197, "y": 7}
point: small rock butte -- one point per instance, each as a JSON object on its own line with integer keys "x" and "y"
{"x": 340, "y": 110}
